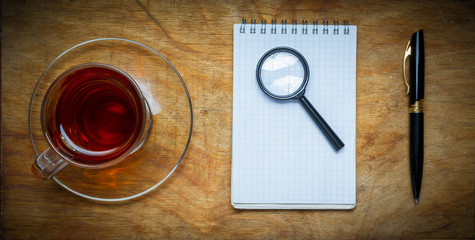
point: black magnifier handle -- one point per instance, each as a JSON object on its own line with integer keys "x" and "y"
{"x": 334, "y": 140}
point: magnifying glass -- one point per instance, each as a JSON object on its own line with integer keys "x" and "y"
{"x": 282, "y": 73}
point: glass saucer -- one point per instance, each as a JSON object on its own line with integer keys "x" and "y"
{"x": 171, "y": 112}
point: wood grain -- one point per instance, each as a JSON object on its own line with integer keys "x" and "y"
{"x": 196, "y": 36}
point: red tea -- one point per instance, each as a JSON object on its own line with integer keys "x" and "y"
{"x": 93, "y": 114}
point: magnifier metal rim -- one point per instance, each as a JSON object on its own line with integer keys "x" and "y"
{"x": 298, "y": 93}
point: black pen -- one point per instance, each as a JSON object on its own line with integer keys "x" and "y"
{"x": 415, "y": 49}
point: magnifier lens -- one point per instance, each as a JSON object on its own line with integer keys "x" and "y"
{"x": 282, "y": 74}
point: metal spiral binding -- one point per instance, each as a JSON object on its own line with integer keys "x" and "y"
{"x": 315, "y": 27}
{"x": 336, "y": 27}
{"x": 263, "y": 27}
{"x": 284, "y": 27}
{"x": 242, "y": 29}
{"x": 294, "y": 29}
{"x": 294, "y": 26}
{"x": 273, "y": 26}
{"x": 253, "y": 26}
{"x": 304, "y": 27}
{"x": 346, "y": 27}
{"x": 325, "y": 27}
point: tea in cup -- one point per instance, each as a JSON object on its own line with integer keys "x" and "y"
{"x": 93, "y": 116}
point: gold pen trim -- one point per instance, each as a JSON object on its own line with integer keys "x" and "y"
{"x": 416, "y": 107}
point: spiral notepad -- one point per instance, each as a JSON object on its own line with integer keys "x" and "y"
{"x": 280, "y": 159}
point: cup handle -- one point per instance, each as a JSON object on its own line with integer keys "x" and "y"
{"x": 48, "y": 164}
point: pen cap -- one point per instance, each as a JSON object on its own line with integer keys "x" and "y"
{"x": 417, "y": 66}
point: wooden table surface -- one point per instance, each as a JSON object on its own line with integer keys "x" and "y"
{"x": 197, "y": 37}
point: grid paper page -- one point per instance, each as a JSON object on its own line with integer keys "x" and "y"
{"x": 280, "y": 158}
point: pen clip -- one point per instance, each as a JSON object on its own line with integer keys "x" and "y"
{"x": 407, "y": 53}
